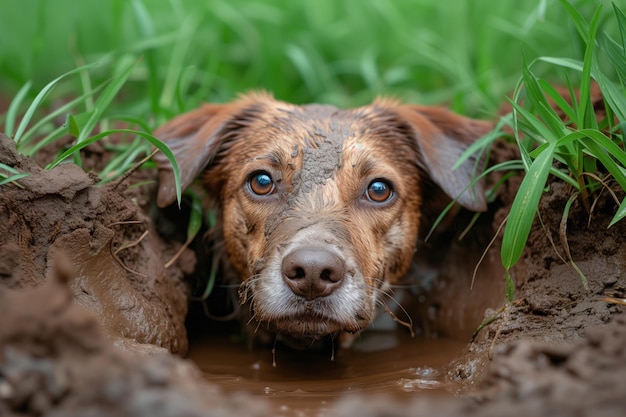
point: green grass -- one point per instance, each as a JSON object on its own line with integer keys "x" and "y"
{"x": 124, "y": 67}
{"x": 586, "y": 153}
{"x": 463, "y": 53}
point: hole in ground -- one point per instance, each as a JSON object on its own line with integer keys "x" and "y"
{"x": 444, "y": 306}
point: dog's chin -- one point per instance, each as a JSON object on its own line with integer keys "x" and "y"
{"x": 299, "y": 342}
{"x": 301, "y": 332}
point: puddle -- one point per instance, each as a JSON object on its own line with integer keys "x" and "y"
{"x": 305, "y": 383}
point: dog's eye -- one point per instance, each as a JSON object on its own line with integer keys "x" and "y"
{"x": 379, "y": 191}
{"x": 261, "y": 183}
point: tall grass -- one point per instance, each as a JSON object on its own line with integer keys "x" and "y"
{"x": 565, "y": 139}
{"x": 342, "y": 52}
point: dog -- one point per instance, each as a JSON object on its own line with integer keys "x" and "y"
{"x": 320, "y": 207}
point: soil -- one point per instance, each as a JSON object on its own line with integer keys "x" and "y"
{"x": 93, "y": 323}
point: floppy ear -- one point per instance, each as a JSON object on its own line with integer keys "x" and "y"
{"x": 195, "y": 138}
{"x": 442, "y": 137}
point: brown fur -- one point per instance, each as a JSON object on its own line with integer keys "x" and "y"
{"x": 321, "y": 160}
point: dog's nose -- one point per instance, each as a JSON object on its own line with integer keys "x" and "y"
{"x": 313, "y": 272}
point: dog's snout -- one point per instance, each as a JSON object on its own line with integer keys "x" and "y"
{"x": 313, "y": 272}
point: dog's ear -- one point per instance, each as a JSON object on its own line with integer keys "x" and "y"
{"x": 442, "y": 137}
{"x": 196, "y": 137}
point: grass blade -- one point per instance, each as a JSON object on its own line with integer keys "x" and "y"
{"x": 538, "y": 101}
{"x": 621, "y": 213}
{"x": 12, "y": 178}
{"x": 34, "y": 130}
{"x": 39, "y": 99}
{"x": 14, "y": 107}
{"x": 581, "y": 24}
{"x": 558, "y": 99}
{"x": 587, "y": 115}
{"x": 621, "y": 23}
{"x": 543, "y": 134}
{"x": 104, "y": 100}
{"x": 601, "y": 155}
{"x": 524, "y": 208}
{"x": 484, "y": 142}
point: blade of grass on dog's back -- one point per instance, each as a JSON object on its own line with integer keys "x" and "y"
{"x": 28, "y": 115}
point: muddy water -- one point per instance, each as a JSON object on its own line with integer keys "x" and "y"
{"x": 304, "y": 383}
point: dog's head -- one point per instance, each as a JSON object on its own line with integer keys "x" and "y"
{"x": 320, "y": 206}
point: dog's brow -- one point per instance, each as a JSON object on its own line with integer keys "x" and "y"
{"x": 273, "y": 157}
{"x": 364, "y": 166}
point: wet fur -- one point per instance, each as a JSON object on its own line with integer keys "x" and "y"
{"x": 321, "y": 160}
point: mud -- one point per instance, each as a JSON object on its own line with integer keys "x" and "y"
{"x": 117, "y": 257}
{"x": 88, "y": 314}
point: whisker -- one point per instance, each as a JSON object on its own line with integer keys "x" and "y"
{"x": 395, "y": 318}
{"x": 251, "y": 316}
{"x": 258, "y": 324}
{"x": 384, "y": 294}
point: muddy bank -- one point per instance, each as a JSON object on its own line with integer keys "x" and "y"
{"x": 558, "y": 350}
{"x": 55, "y": 360}
{"x": 117, "y": 257}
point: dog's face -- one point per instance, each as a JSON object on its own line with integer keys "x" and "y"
{"x": 320, "y": 207}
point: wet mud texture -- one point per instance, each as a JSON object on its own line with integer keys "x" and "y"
{"x": 558, "y": 350}
{"x": 117, "y": 258}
